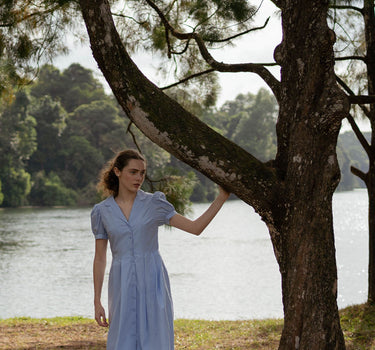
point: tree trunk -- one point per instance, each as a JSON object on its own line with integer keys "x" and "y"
{"x": 369, "y": 20}
{"x": 307, "y": 259}
{"x": 370, "y": 183}
{"x": 311, "y": 109}
{"x": 293, "y": 194}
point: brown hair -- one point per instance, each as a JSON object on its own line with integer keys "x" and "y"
{"x": 108, "y": 182}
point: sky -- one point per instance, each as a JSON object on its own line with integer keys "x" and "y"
{"x": 255, "y": 47}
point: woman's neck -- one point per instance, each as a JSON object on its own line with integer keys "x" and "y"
{"x": 125, "y": 196}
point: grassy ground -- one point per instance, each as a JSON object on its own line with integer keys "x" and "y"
{"x": 358, "y": 323}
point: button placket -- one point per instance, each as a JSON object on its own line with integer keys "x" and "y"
{"x": 133, "y": 282}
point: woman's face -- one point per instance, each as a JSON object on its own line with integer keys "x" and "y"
{"x": 131, "y": 177}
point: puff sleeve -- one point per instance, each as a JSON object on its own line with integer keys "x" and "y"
{"x": 97, "y": 226}
{"x": 163, "y": 210}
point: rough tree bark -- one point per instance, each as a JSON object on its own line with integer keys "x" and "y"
{"x": 293, "y": 193}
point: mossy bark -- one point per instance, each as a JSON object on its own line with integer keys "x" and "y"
{"x": 293, "y": 194}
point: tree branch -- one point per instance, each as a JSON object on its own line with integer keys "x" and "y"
{"x": 168, "y": 124}
{"x": 361, "y": 99}
{"x": 128, "y": 17}
{"x": 188, "y": 78}
{"x": 351, "y": 94}
{"x": 30, "y": 15}
{"x": 128, "y": 130}
{"x": 183, "y": 50}
{"x": 346, "y": 7}
{"x": 259, "y": 69}
{"x": 359, "y": 173}
{"x": 239, "y": 34}
{"x": 359, "y": 135}
{"x": 352, "y": 122}
{"x": 344, "y": 58}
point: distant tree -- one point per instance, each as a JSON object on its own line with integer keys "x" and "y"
{"x": 255, "y": 121}
{"x": 100, "y": 124}
{"x": 48, "y": 190}
{"x": 50, "y": 123}
{"x": 17, "y": 143}
{"x": 17, "y": 131}
{"x": 82, "y": 162}
{"x": 1, "y": 195}
{"x": 73, "y": 87}
{"x": 16, "y": 186}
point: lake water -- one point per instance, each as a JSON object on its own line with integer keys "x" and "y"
{"x": 229, "y": 272}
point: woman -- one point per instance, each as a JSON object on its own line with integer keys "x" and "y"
{"x": 139, "y": 297}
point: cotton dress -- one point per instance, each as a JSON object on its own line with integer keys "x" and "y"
{"x": 139, "y": 297}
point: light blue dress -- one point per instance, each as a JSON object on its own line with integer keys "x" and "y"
{"x": 139, "y": 297}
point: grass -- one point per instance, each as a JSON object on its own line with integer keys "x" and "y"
{"x": 358, "y": 324}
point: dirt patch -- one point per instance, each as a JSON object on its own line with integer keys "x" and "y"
{"x": 45, "y": 336}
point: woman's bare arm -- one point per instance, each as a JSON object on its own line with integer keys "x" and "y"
{"x": 198, "y": 225}
{"x": 100, "y": 261}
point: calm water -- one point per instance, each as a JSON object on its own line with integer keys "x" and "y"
{"x": 228, "y": 273}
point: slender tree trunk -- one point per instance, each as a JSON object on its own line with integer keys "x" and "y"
{"x": 371, "y": 222}
{"x": 369, "y": 20}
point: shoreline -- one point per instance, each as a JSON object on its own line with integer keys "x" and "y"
{"x": 232, "y": 197}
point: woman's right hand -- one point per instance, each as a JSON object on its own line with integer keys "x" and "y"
{"x": 100, "y": 315}
{"x": 223, "y": 193}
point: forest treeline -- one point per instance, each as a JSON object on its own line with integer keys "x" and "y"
{"x": 57, "y": 134}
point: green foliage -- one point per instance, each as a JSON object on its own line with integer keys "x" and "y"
{"x": 1, "y": 195}
{"x": 255, "y": 130}
{"x": 158, "y": 38}
{"x": 212, "y": 20}
{"x": 64, "y": 152}
{"x": 24, "y": 47}
{"x": 100, "y": 124}
{"x": 17, "y": 132}
{"x": 50, "y": 118}
{"x": 73, "y": 87}
{"x": 249, "y": 120}
{"x": 16, "y": 186}
{"x": 82, "y": 162}
{"x": 49, "y": 191}
{"x": 177, "y": 188}
{"x": 30, "y": 30}
{"x": 17, "y": 143}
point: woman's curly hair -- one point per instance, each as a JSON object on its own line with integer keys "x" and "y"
{"x": 108, "y": 181}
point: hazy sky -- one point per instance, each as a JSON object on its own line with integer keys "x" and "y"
{"x": 255, "y": 47}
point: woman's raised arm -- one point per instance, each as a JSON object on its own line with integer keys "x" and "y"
{"x": 198, "y": 225}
